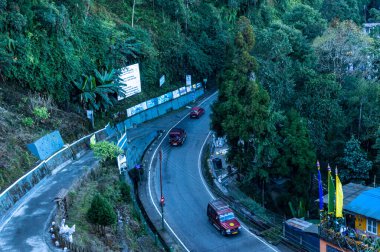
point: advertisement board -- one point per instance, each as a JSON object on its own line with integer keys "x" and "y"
{"x": 130, "y": 78}
{"x": 176, "y": 94}
{"x": 182, "y": 90}
{"x": 151, "y": 103}
{"x": 165, "y": 97}
{"x": 188, "y": 80}
{"x": 162, "y": 80}
{"x": 136, "y": 109}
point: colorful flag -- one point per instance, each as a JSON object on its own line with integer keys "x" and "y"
{"x": 331, "y": 189}
{"x": 339, "y": 196}
{"x": 320, "y": 188}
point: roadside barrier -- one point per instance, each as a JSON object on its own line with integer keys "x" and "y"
{"x": 23, "y": 185}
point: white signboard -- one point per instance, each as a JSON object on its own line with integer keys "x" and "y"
{"x": 130, "y": 78}
{"x": 162, "y": 80}
{"x": 175, "y": 93}
{"x": 188, "y": 80}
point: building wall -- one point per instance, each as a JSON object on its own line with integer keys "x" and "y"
{"x": 361, "y": 222}
{"x": 328, "y": 247}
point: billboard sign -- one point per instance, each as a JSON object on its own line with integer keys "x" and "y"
{"x": 162, "y": 80}
{"x": 182, "y": 90}
{"x": 165, "y": 97}
{"x": 151, "y": 103}
{"x": 188, "y": 80}
{"x": 137, "y": 109}
{"x": 130, "y": 79}
{"x": 176, "y": 93}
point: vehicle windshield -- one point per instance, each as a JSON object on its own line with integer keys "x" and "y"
{"x": 227, "y": 216}
{"x": 174, "y": 135}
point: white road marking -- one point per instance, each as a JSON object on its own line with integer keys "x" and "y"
{"x": 212, "y": 196}
{"x": 149, "y": 180}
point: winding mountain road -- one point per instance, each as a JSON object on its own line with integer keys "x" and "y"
{"x": 186, "y": 194}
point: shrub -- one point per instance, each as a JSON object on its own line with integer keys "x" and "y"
{"x": 106, "y": 151}
{"x": 125, "y": 191}
{"x": 27, "y": 121}
{"x": 101, "y": 212}
{"x": 41, "y": 113}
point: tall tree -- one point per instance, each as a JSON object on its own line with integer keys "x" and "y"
{"x": 318, "y": 101}
{"x": 296, "y": 155}
{"x": 306, "y": 19}
{"x": 343, "y": 49}
{"x": 241, "y": 97}
{"x": 281, "y": 51}
{"x": 356, "y": 165}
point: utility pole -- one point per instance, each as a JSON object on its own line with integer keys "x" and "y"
{"x": 162, "y": 199}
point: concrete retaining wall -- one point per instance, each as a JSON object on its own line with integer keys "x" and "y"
{"x": 134, "y": 149}
{"x": 22, "y": 186}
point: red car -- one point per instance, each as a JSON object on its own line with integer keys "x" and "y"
{"x": 196, "y": 112}
{"x": 221, "y": 216}
{"x": 177, "y": 136}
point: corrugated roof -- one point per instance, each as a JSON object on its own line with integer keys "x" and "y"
{"x": 367, "y": 204}
{"x": 299, "y": 223}
{"x": 350, "y": 192}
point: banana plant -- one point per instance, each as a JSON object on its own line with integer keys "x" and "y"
{"x": 99, "y": 92}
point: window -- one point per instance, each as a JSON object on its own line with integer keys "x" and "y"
{"x": 372, "y": 226}
{"x": 331, "y": 249}
{"x": 226, "y": 217}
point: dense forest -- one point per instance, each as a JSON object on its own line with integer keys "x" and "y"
{"x": 298, "y": 79}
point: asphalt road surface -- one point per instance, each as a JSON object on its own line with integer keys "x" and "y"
{"x": 186, "y": 195}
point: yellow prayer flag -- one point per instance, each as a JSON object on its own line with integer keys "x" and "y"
{"x": 339, "y": 197}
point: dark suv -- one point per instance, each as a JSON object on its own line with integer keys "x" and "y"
{"x": 221, "y": 216}
{"x": 177, "y": 136}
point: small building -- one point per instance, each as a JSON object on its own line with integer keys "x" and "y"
{"x": 361, "y": 210}
{"x": 366, "y": 209}
{"x": 369, "y": 27}
{"x": 303, "y": 233}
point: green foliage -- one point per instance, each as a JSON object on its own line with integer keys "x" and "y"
{"x": 41, "y": 113}
{"x": 101, "y": 212}
{"x": 125, "y": 191}
{"x": 318, "y": 101}
{"x": 241, "y": 97}
{"x": 98, "y": 92}
{"x": 376, "y": 146}
{"x": 106, "y": 151}
{"x": 306, "y": 19}
{"x": 296, "y": 155}
{"x": 281, "y": 52}
{"x": 356, "y": 165}
{"x": 27, "y": 121}
{"x": 342, "y": 10}
{"x": 343, "y": 50}
{"x": 374, "y": 15}
{"x": 300, "y": 212}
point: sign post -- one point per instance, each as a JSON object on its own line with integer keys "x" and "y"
{"x": 188, "y": 80}
{"x": 162, "y": 80}
{"x": 90, "y": 116}
{"x": 205, "y": 81}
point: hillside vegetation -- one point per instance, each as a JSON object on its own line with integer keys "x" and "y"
{"x": 301, "y": 74}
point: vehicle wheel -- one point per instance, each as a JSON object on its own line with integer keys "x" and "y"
{"x": 223, "y": 232}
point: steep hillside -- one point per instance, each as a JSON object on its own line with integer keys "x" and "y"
{"x": 20, "y": 124}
